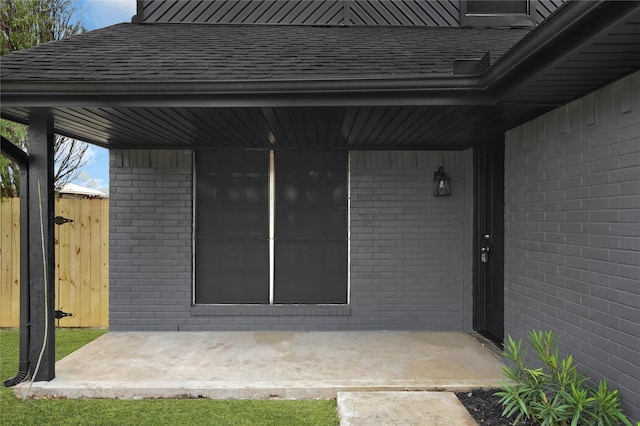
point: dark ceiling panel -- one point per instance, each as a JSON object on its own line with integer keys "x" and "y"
{"x": 149, "y": 120}
{"x": 233, "y": 132}
{"x": 380, "y": 119}
{"x": 385, "y": 129}
{"x": 357, "y": 122}
{"x": 93, "y": 125}
{"x": 380, "y": 127}
{"x": 85, "y": 122}
{"x": 438, "y": 127}
{"x": 286, "y": 135}
{"x": 256, "y": 123}
{"x": 418, "y": 127}
{"x": 211, "y": 130}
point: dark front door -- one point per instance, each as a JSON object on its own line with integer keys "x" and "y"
{"x": 488, "y": 247}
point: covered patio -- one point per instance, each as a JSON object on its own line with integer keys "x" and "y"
{"x": 154, "y": 117}
{"x": 271, "y": 364}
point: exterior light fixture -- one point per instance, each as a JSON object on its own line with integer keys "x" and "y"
{"x": 441, "y": 184}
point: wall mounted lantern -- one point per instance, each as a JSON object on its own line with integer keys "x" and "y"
{"x": 441, "y": 184}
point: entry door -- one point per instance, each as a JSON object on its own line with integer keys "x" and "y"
{"x": 488, "y": 255}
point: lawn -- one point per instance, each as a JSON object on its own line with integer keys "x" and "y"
{"x": 14, "y": 411}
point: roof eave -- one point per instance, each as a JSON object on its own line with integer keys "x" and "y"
{"x": 565, "y": 31}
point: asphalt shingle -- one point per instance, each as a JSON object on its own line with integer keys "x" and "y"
{"x": 194, "y": 52}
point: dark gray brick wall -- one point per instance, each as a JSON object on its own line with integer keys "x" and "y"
{"x": 572, "y": 261}
{"x": 407, "y": 264}
{"x": 408, "y": 270}
{"x": 150, "y": 239}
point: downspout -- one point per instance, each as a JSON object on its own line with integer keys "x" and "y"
{"x": 25, "y": 316}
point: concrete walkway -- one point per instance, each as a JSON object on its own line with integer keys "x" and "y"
{"x": 258, "y": 365}
{"x": 402, "y": 409}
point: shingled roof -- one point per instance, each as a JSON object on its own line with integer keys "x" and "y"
{"x": 193, "y": 52}
{"x": 347, "y": 87}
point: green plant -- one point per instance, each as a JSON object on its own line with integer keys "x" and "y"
{"x": 554, "y": 392}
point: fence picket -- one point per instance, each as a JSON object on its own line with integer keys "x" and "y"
{"x": 63, "y": 259}
{"x": 104, "y": 263}
{"x": 95, "y": 263}
{"x": 15, "y": 260}
{"x": 7, "y": 275}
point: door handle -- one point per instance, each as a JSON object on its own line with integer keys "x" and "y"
{"x": 484, "y": 254}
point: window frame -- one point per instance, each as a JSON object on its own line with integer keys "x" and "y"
{"x": 196, "y": 238}
{"x": 497, "y": 19}
{"x": 271, "y": 308}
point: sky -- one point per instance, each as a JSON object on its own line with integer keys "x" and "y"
{"x": 99, "y": 14}
{"x": 102, "y": 13}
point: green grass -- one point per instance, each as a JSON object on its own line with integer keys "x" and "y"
{"x": 14, "y": 411}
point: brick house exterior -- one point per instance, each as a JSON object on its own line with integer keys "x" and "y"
{"x": 573, "y": 231}
{"x": 399, "y": 89}
{"x": 405, "y": 269}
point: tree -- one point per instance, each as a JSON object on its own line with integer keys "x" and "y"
{"x": 24, "y": 24}
{"x": 28, "y": 23}
{"x": 9, "y": 173}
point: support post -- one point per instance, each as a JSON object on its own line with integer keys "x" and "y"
{"x": 42, "y": 262}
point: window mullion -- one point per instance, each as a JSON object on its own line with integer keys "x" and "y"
{"x": 272, "y": 216}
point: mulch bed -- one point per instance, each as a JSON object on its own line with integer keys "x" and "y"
{"x": 485, "y": 407}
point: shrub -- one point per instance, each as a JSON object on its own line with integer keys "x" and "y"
{"x": 554, "y": 393}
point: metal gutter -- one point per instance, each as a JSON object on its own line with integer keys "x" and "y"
{"x": 347, "y": 92}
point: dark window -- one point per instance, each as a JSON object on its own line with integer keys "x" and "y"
{"x": 495, "y": 7}
{"x": 309, "y": 220}
{"x": 497, "y": 13}
{"x": 311, "y": 227}
{"x": 232, "y": 238}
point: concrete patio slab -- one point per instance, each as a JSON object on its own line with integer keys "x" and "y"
{"x": 402, "y": 409}
{"x": 271, "y": 364}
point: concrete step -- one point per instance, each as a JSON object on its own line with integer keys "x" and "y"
{"x": 402, "y": 409}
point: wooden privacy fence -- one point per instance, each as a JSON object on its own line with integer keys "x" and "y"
{"x": 81, "y": 264}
